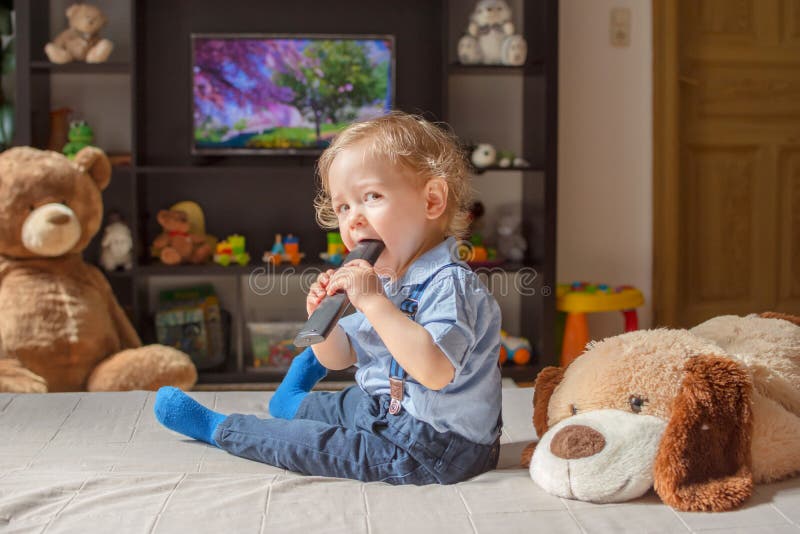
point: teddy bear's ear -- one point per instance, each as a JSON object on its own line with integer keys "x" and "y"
{"x": 703, "y": 461}
{"x": 72, "y": 9}
{"x": 94, "y": 161}
{"x": 546, "y": 381}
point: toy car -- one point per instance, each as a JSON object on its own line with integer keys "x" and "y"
{"x": 514, "y": 349}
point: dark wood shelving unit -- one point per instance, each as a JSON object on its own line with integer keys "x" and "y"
{"x": 266, "y": 168}
{"x": 259, "y": 196}
{"x": 159, "y": 269}
{"x": 498, "y": 168}
{"x": 533, "y": 67}
{"x": 114, "y": 67}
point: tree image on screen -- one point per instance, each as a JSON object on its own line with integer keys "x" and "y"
{"x": 286, "y": 93}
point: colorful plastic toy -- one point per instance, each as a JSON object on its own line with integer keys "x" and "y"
{"x": 514, "y": 349}
{"x": 579, "y": 298}
{"x": 336, "y": 250}
{"x": 232, "y": 250}
{"x": 476, "y": 253}
{"x": 479, "y": 252}
{"x": 284, "y": 249}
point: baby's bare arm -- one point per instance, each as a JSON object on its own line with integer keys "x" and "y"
{"x": 335, "y": 352}
{"x": 410, "y": 344}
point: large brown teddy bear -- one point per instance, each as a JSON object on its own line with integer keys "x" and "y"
{"x": 80, "y": 42}
{"x": 61, "y": 329}
{"x": 700, "y": 415}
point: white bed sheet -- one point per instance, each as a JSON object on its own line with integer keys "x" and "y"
{"x": 100, "y": 462}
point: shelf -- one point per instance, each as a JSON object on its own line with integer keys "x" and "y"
{"x": 212, "y": 269}
{"x": 497, "y": 168}
{"x": 158, "y": 269}
{"x": 509, "y": 267}
{"x": 112, "y": 67}
{"x": 163, "y": 167}
{"x": 532, "y": 68}
{"x": 242, "y": 163}
{"x": 116, "y": 274}
{"x": 205, "y": 169}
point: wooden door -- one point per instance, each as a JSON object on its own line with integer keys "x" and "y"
{"x": 727, "y": 165}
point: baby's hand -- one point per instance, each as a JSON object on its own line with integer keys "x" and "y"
{"x": 318, "y": 291}
{"x": 359, "y": 280}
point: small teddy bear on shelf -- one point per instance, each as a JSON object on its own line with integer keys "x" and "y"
{"x": 80, "y": 41}
{"x": 176, "y": 244}
{"x": 490, "y": 38}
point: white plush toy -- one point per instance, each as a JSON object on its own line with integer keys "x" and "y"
{"x": 117, "y": 247}
{"x": 511, "y": 244}
{"x": 483, "y": 156}
{"x": 490, "y": 38}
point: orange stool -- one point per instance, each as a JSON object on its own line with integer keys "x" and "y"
{"x": 579, "y": 298}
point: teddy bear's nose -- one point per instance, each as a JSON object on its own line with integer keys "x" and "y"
{"x": 58, "y": 218}
{"x": 577, "y": 441}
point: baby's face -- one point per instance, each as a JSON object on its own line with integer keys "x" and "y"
{"x": 374, "y": 199}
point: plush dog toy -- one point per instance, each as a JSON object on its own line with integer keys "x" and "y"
{"x": 700, "y": 415}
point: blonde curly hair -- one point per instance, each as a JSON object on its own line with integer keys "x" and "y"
{"x": 427, "y": 149}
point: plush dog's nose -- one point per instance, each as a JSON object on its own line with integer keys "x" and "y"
{"x": 577, "y": 441}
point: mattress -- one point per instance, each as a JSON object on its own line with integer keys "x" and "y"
{"x": 100, "y": 462}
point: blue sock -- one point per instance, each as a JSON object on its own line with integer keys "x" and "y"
{"x": 179, "y": 412}
{"x": 301, "y": 378}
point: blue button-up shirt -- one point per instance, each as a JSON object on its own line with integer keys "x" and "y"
{"x": 463, "y": 320}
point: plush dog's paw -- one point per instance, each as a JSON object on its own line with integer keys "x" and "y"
{"x": 527, "y": 453}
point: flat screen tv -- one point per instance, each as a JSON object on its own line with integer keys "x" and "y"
{"x": 285, "y": 94}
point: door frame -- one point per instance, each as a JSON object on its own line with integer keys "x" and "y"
{"x": 667, "y": 293}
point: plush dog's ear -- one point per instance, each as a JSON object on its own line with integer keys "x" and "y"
{"x": 785, "y": 316}
{"x": 546, "y": 381}
{"x": 703, "y": 461}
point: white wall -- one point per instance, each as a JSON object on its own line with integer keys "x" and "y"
{"x": 605, "y": 152}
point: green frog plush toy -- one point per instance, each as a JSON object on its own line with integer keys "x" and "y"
{"x": 80, "y": 135}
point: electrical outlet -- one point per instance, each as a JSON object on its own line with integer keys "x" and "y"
{"x": 620, "y": 26}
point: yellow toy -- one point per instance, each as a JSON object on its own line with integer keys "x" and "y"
{"x": 579, "y": 298}
{"x": 232, "y": 250}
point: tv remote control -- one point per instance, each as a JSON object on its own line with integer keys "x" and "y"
{"x": 332, "y": 307}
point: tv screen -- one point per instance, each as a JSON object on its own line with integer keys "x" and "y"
{"x": 286, "y": 94}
